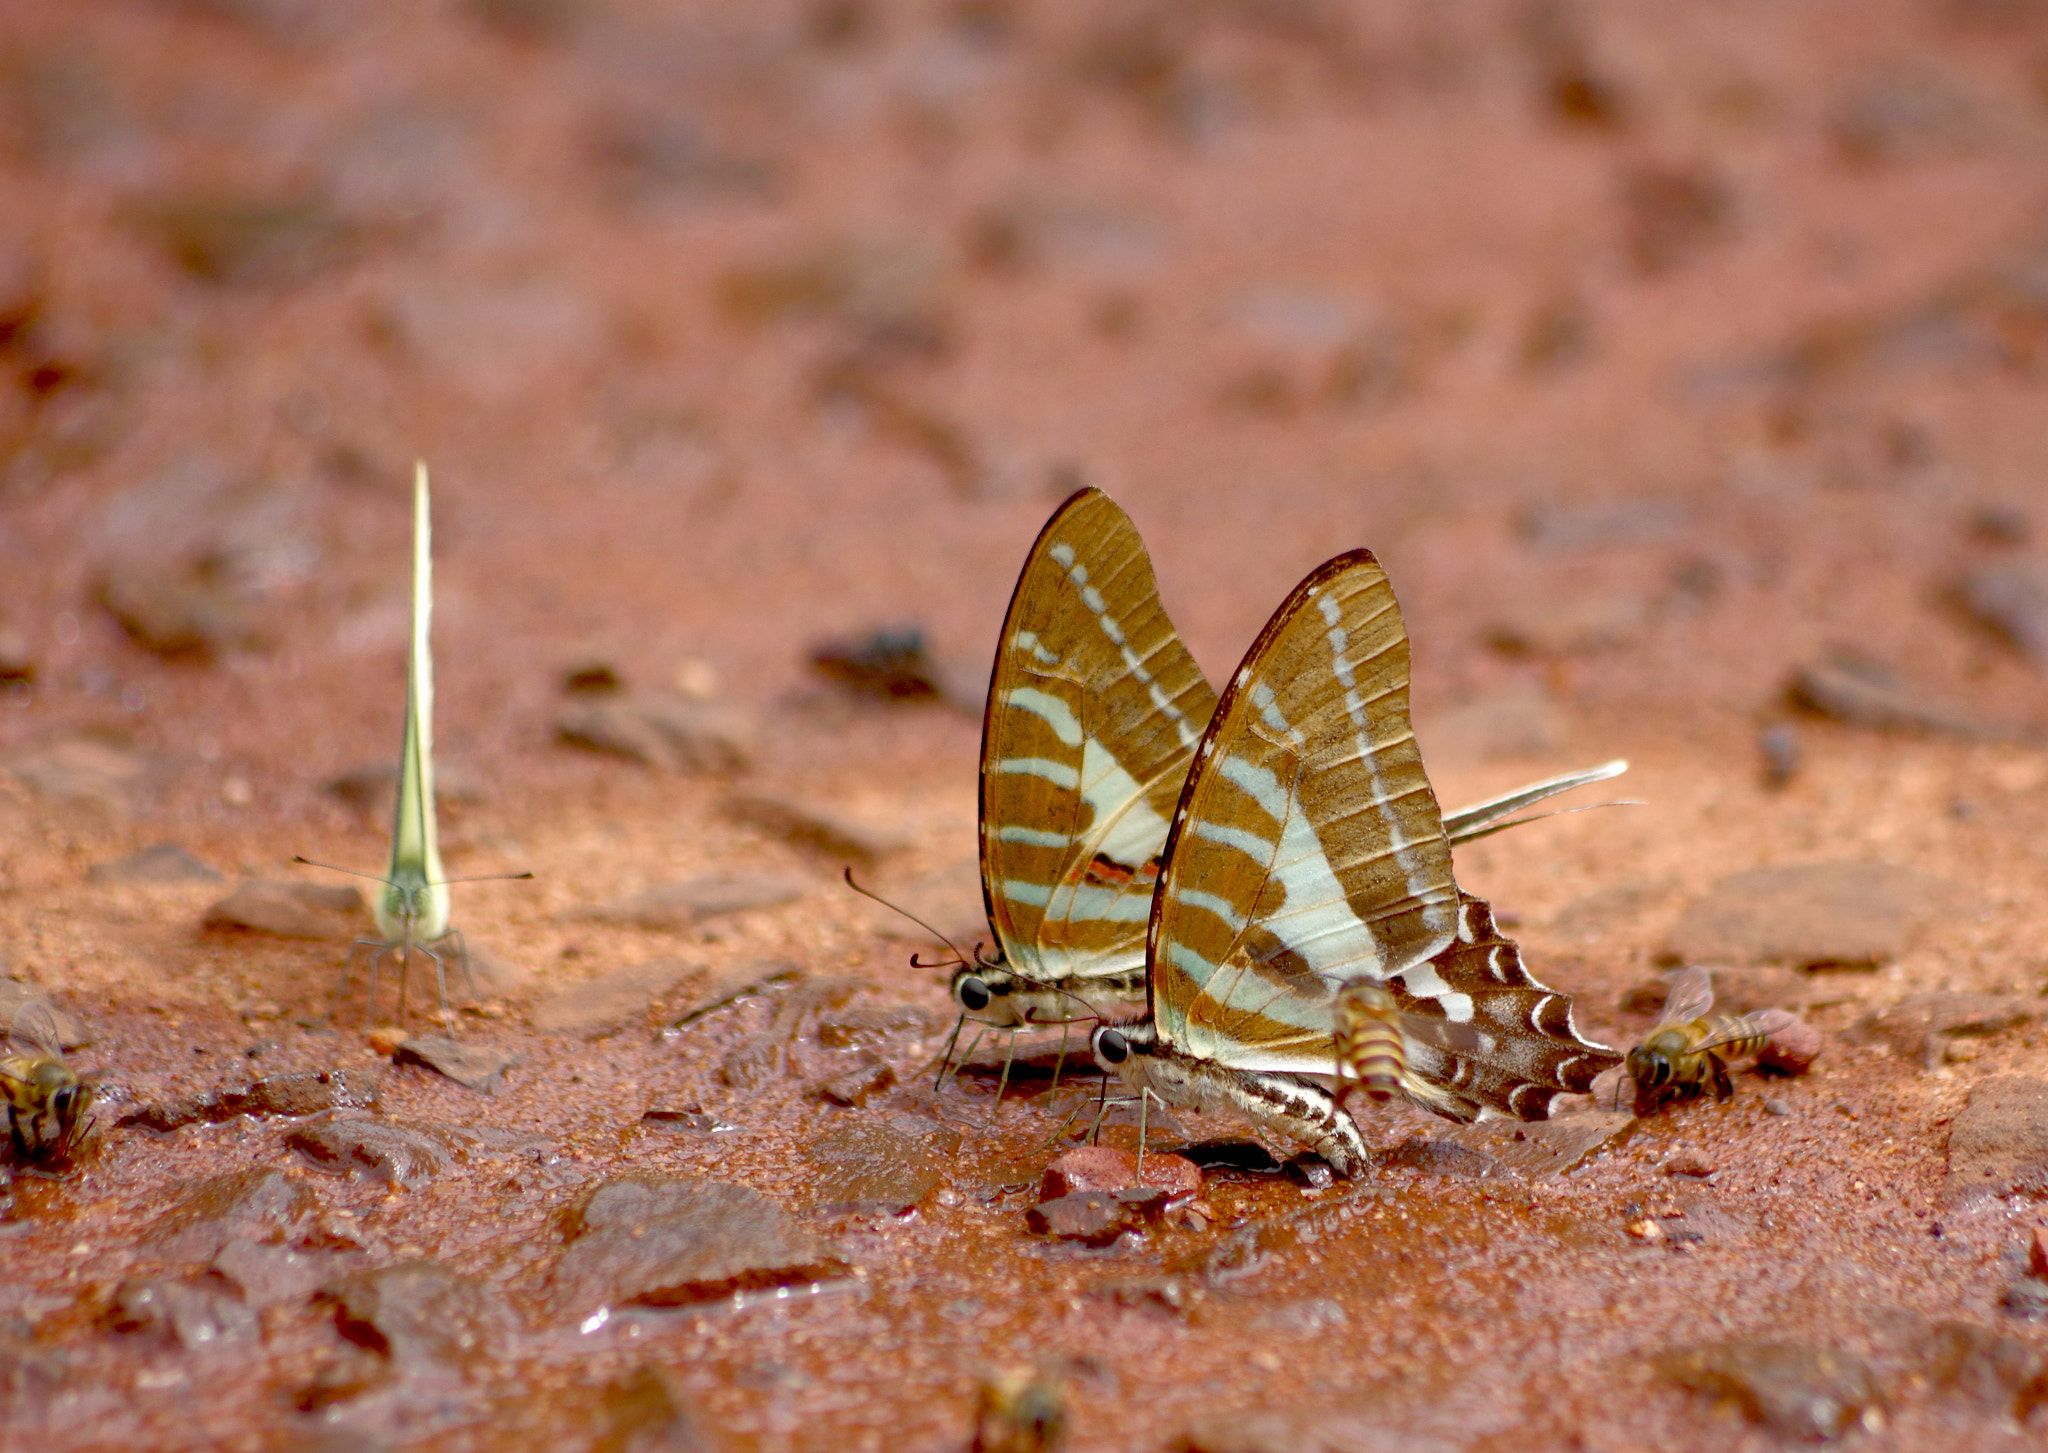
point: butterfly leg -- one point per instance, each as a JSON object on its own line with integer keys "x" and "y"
{"x": 1003, "y": 1084}
{"x": 972, "y": 1045}
{"x": 1144, "y": 1127}
{"x": 1060, "y": 1063}
{"x": 462, "y": 957}
{"x": 1101, "y": 1109}
{"x": 946, "y": 1059}
{"x": 1072, "y": 1115}
{"x": 377, "y": 948}
{"x": 441, "y": 979}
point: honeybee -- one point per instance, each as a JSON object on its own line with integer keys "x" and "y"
{"x": 1686, "y": 1051}
{"x": 46, "y": 1100}
{"x": 1020, "y": 1412}
{"x": 1373, "y": 1035}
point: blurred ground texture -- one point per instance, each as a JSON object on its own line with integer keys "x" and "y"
{"x": 1685, "y": 365}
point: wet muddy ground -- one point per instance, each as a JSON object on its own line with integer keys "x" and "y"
{"x": 1685, "y": 367}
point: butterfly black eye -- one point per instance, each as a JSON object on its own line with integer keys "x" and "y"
{"x": 1111, "y": 1047}
{"x": 972, "y": 993}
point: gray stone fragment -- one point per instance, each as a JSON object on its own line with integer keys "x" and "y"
{"x": 688, "y": 901}
{"x": 830, "y": 833}
{"x": 197, "y": 1315}
{"x": 1544, "y": 1148}
{"x": 1997, "y": 1372}
{"x": 610, "y": 1001}
{"x": 477, "y": 1066}
{"x": 333, "y": 914}
{"x": 162, "y": 863}
{"x": 303, "y": 1093}
{"x": 1938, "y": 1015}
{"x": 855, "y": 1086}
{"x": 97, "y": 771}
{"x": 1858, "y": 692}
{"x": 242, "y": 1206}
{"x": 269, "y": 1273}
{"x": 1794, "y": 1389}
{"x": 738, "y": 983}
{"x": 644, "y": 1412}
{"x": 1998, "y": 1143}
{"x": 1840, "y": 913}
{"x": 879, "y": 1166}
{"x": 389, "y": 1153}
{"x": 1392, "y": 1418}
{"x": 2011, "y": 597}
{"x": 672, "y": 1240}
{"x": 421, "y": 1313}
{"x": 671, "y": 733}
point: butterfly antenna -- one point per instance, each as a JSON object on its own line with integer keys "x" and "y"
{"x": 334, "y": 868}
{"x": 479, "y": 878}
{"x": 913, "y": 918}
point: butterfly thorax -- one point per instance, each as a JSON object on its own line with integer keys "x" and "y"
{"x": 998, "y": 995}
{"x": 411, "y": 908}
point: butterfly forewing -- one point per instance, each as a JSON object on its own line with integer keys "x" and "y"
{"x": 1308, "y": 848}
{"x": 1094, "y": 710}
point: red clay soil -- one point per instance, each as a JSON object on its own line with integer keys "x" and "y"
{"x": 1659, "y": 352}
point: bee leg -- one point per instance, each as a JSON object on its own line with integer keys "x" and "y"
{"x": 14, "y": 1134}
{"x": 376, "y": 948}
{"x": 1724, "y": 1088}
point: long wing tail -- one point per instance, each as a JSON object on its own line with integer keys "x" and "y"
{"x": 1484, "y": 818}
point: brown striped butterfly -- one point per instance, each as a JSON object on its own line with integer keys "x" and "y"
{"x": 1094, "y": 711}
{"x": 1307, "y": 853}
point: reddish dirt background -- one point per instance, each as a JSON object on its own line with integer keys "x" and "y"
{"x": 1657, "y": 352}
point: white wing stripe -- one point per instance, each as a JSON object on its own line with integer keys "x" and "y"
{"x": 1017, "y": 890}
{"x": 1031, "y": 836}
{"x": 1048, "y": 709}
{"x": 1223, "y": 908}
{"x": 1258, "y": 849}
{"x": 1060, "y": 774}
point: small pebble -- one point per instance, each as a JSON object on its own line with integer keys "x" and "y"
{"x": 1688, "y": 1163}
{"x": 1645, "y": 1230}
{"x": 1776, "y": 1106}
{"x": 2037, "y": 1253}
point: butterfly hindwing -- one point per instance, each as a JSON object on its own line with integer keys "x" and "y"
{"x": 1094, "y": 710}
{"x": 1308, "y": 848}
{"x": 1308, "y": 852}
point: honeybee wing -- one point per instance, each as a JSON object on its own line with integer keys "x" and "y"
{"x": 1690, "y": 996}
{"x": 35, "y": 1029}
